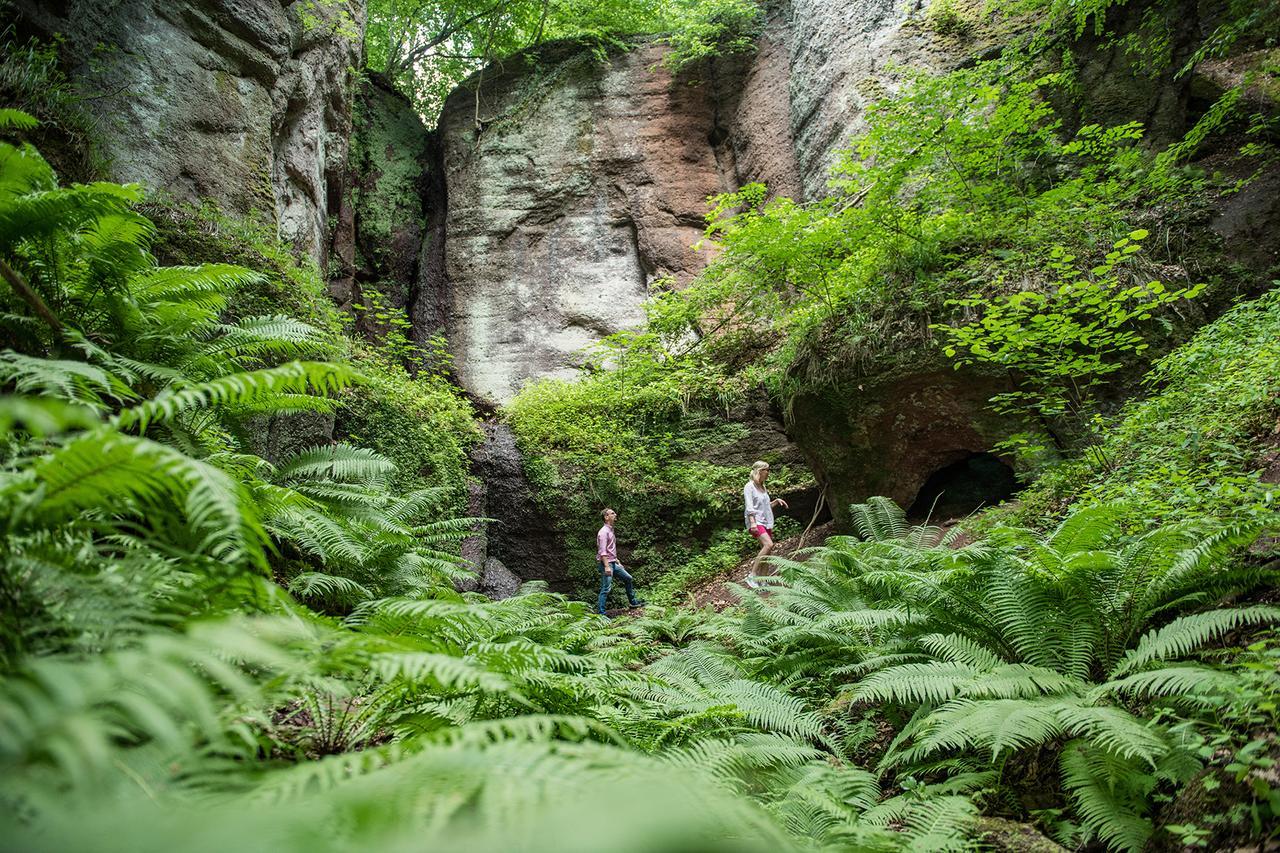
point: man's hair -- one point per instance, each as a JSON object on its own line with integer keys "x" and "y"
{"x": 605, "y": 512}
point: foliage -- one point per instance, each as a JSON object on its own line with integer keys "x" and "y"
{"x": 1190, "y": 448}
{"x": 208, "y": 641}
{"x": 725, "y": 550}
{"x": 426, "y": 49}
{"x": 1059, "y": 345}
{"x": 152, "y": 662}
{"x": 638, "y": 442}
{"x": 420, "y": 422}
{"x": 1069, "y": 644}
{"x": 194, "y": 234}
{"x": 393, "y": 327}
{"x": 962, "y": 181}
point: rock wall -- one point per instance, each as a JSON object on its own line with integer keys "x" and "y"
{"x": 572, "y": 186}
{"x": 521, "y": 542}
{"x": 245, "y": 103}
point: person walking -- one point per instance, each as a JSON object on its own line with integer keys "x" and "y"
{"x": 758, "y": 513}
{"x": 610, "y": 568}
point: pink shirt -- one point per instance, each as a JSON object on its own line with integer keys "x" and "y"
{"x": 606, "y": 545}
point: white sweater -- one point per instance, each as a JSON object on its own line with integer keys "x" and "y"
{"x": 757, "y": 503}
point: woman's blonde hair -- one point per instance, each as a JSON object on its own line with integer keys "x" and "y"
{"x": 756, "y": 469}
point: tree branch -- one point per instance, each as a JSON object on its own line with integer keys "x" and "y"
{"x": 29, "y": 296}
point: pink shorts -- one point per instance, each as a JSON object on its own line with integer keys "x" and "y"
{"x": 759, "y": 530}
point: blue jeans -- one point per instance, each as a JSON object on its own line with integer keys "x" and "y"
{"x": 606, "y": 583}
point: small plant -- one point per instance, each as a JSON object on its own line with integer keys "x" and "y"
{"x": 389, "y": 326}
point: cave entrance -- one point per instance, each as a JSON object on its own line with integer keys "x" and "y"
{"x": 979, "y": 480}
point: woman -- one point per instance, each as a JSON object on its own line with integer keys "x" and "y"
{"x": 759, "y": 515}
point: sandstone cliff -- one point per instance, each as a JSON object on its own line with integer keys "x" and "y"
{"x": 244, "y": 103}
{"x": 574, "y": 184}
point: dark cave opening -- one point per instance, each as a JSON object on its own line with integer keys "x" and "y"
{"x": 956, "y": 490}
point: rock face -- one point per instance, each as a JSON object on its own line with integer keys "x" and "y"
{"x": 380, "y": 240}
{"x": 242, "y": 102}
{"x": 888, "y": 436}
{"x": 839, "y": 51}
{"x": 522, "y": 539}
{"x": 572, "y": 185}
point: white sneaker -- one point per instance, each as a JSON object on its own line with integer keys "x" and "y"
{"x": 753, "y": 583}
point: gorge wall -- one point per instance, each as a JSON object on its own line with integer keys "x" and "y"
{"x": 574, "y": 184}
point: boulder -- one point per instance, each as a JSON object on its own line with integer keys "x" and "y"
{"x": 497, "y": 581}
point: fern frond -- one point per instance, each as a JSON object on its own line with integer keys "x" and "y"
{"x": 14, "y": 119}
{"x": 191, "y": 284}
{"x": 276, "y": 336}
{"x": 878, "y": 519}
{"x": 1115, "y": 730}
{"x": 42, "y": 417}
{"x": 916, "y": 683}
{"x": 533, "y": 728}
{"x": 1182, "y": 636}
{"x": 123, "y": 474}
{"x": 72, "y": 381}
{"x": 295, "y": 377}
{"x": 328, "y": 588}
{"x": 342, "y": 463}
{"x": 1096, "y": 787}
{"x": 1169, "y": 681}
{"x": 441, "y": 672}
{"x": 38, "y": 213}
{"x": 957, "y": 648}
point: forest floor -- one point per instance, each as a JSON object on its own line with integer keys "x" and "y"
{"x": 716, "y": 592}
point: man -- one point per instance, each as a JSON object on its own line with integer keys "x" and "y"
{"x": 607, "y": 555}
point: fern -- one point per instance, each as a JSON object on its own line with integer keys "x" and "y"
{"x": 1105, "y": 793}
{"x": 240, "y": 388}
{"x": 126, "y": 475}
{"x": 879, "y": 519}
{"x": 1183, "y": 635}
{"x": 328, "y": 588}
{"x": 339, "y": 462}
{"x": 71, "y": 381}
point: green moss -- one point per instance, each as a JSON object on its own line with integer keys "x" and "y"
{"x": 422, "y": 424}
{"x": 389, "y": 158}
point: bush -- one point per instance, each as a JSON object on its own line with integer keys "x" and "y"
{"x": 1191, "y": 448}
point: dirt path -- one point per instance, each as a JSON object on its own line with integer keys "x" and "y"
{"x": 716, "y": 592}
